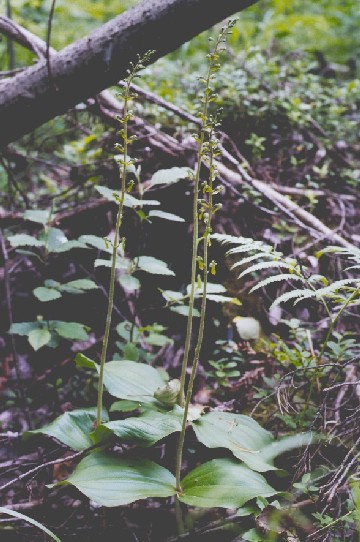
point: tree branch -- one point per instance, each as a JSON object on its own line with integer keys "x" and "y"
{"x": 99, "y": 60}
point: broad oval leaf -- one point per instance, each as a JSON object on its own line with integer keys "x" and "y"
{"x": 144, "y": 430}
{"x": 223, "y": 483}
{"x": 113, "y": 481}
{"x": 240, "y": 434}
{"x": 127, "y": 379}
{"x": 46, "y": 294}
{"x": 39, "y": 338}
{"x": 71, "y": 428}
{"x": 246, "y": 439}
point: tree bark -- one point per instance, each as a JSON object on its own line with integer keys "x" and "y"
{"x": 102, "y": 58}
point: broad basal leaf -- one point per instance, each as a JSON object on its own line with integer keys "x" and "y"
{"x": 223, "y": 483}
{"x": 128, "y": 379}
{"x": 242, "y": 435}
{"x": 245, "y": 438}
{"x": 72, "y": 428}
{"x": 144, "y": 430}
{"x": 112, "y": 481}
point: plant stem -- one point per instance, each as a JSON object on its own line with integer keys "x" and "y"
{"x": 204, "y": 117}
{"x": 115, "y": 246}
{"x": 206, "y": 242}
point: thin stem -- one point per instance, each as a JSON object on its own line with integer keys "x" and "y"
{"x": 204, "y": 116}
{"x": 115, "y": 246}
{"x": 206, "y": 242}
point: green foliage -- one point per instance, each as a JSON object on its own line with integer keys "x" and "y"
{"x": 112, "y": 481}
{"x": 48, "y": 333}
{"x": 72, "y": 429}
{"x": 223, "y": 483}
{"x": 54, "y": 290}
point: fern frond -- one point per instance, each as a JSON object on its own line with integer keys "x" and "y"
{"x": 357, "y": 267}
{"x": 353, "y": 254}
{"x": 224, "y": 239}
{"x": 277, "y": 278}
{"x": 294, "y": 294}
{"x": 333, "y": 288}
{"x": 263, "y": 265}
{"x": 246, "y": 247}
{"x": 250, "y": 259}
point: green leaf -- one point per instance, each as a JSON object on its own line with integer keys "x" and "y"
{"x": 170, "y": 176}
{"x": 184, "y": 310}
{"x": 129, "y": 201}
{"x": 112, "y": 481}
{"x": 144, "y": 430}
{"x": 128, "y": 379}
{"x": 55, "y": 238}
{"x": 72, "y": 428}
{"x": 32, "y": 521}
{"x": 223, "y": 483}
{"x": 211, "y": 288}
{"x": 171, "y": 295}
{"x": 131, "y": 352}
{"x": 82, "y": 284}
{"x": 39, "y": 338}
{"x": 69, "y": 245}
{"x": 84, "y": 361}
{"x": 166, "y": 216}
{"x": 129, "y": 283}
{"x": 71, "y": 330}
{"x": 154, "y": 266}
{"x": 240, "y": 434}
{"x": 95, "y": 242}
{"x": 157, "y": 339}
{"x": 41, "y": 217}
{"x": 46, "y": 294}
{"x": 121, "y": 263}
{"x": 23, "y": 328}
{"x": 24, "y": 240}
{"x": 128, "y": 331}
{"x": 246, "y": 439}
{"x": 125, "y": 406}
